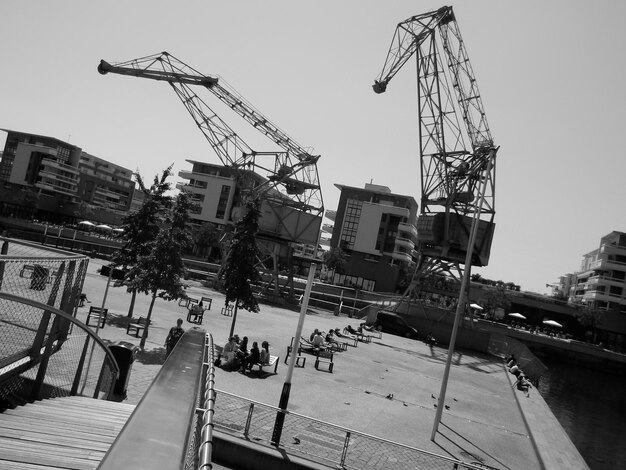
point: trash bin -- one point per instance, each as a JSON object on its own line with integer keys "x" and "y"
{"x": 124, "y": 353}
{"x": 39, "y": 277}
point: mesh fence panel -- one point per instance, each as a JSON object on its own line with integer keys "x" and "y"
{"x": 323, "y": 442}
{"x": 42, "y": 352}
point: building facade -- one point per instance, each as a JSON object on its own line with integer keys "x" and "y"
{"x": 601, "y": 281}
{"x": 377, "y": 230}
{"x": 47, "y": 178}
{"x": 213, "y": 188}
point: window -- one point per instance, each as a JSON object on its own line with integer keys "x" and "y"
{"x": 351, "y": 223}
{"x": 223, "y": 202}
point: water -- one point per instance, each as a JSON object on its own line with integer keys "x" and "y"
{"x": 591, "y": 407}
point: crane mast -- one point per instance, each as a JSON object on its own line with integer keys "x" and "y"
{"x": 457, "y": 152}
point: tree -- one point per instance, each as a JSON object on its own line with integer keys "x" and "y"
{"x": 206, "y": 237}
{"x": 336, "y": 259}
{"x": 590, "y": 317}
{"x": 160, "y": 272}
{"x": 239, "y": 270}
{"x": 141, "y": 229}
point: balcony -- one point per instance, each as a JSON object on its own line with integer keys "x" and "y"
{"x": 401, "y": 256}
{"x": 405, "y": 243}
{"x": 408, "y": 229}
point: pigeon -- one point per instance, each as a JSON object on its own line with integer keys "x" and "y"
{"x": 433, "y": 396}
{"x": 435, "y": 405}
{"x": 390, "y": 396}
{"x": 296, "y": 440}
{"x": 447, "y": 407}
{"x": 455, "y": 399}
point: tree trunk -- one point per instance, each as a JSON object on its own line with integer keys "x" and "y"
{"x": 144, "y": 336}
{"x": 232, "y": 325}
{"x": 131, "y": 308}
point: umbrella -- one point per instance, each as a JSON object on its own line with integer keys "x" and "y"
{"x": 103, "y": 227}
{"x": 86, "y": 222}
{"x": 476, "y": 306}
{"x": 517, "y": 315}
{"x": 552, "y": 323}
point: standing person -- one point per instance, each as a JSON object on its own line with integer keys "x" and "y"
{"x": 265, "y": 353}
{"x": 174, "y": 335}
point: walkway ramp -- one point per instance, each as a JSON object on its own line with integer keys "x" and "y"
{"x": 68, "y": 432}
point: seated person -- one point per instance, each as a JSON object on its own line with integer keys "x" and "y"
{"x": 264, "y": 357}
{"x": 351, "y": 330}
{"x": 242, "y": 352}
{"x": 313, "y": 334}
{"x": 229, "y": 353}
{"x": 523, "y": 384}
{"x": 318, "y": 340}
{"x": 252, "y": 358}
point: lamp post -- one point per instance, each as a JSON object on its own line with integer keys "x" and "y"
{"x": 284, "y": 396}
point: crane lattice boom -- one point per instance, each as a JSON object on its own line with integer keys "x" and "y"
{"x": 290, "y": 177}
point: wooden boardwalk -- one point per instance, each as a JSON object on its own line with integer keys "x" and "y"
{"x": 63, "y": 433}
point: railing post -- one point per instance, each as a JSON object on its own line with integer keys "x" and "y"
{"x": 248, "y": 420}
{"x": 344, "y": 452}
{"x": 79, "y": 369}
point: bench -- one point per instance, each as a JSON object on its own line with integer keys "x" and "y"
{"x": 195, "y": 315}
{"x": 98, "y": 314}
{"x": 359, "y": 336}
{"x": 337, "y": 346}
{"x": 137, "y": 326}
{"x": 325, "y": 357}
{"x": 227, "y": 310}
{"x": 206, "y": 302}
{"x": 300, "y": 360}
{"x": 187, "y": 302}
{"x": 273, "y": 362}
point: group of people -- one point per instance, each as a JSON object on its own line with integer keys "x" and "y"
{"x": 236, "y": 356}
{"x": 321, "y": 340}
{"x": 522, "y": 383}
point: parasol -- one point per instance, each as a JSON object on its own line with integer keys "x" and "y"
{"x": 552, "y": 323}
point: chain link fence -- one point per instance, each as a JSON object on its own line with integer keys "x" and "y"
{"x": 323, "y": 442}
{"x": 44, "y": 351}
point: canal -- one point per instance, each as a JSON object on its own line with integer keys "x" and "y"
{"x": 591, "y": 407}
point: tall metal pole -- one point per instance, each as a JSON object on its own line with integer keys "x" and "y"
{"x": 284, "y": 396}
{"x": 461, "y": 303}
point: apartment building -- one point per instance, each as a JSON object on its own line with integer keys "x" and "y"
{"x": 377, "y": 230}
{"x": 64, "y": 178}
{"x": 213, "y": 187}
{"x": 601, "y": 281}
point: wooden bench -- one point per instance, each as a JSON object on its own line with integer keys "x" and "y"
{"x": 325, "y": 357}
{"x": 300, "y": 360}
{"x": 98, "y": 314}
{"x": 137, "y": 326}
{"x": 227, "y": 310}
{"x": 273, "y": 362}
{"x": 206, "y": 303}
{"x": 195, "y": 315}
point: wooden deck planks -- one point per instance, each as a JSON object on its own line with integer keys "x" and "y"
{"x": 60, "y": 433}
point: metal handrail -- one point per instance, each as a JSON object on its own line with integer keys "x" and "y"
{"x": 350, "y": 435}
{"x": 205, "y": 448}
{"x": 53, "y": 311}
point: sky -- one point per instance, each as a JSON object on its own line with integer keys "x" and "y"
{"x": 551, "y": 75}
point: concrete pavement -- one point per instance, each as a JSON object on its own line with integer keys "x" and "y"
{"x": 487, "y": 420}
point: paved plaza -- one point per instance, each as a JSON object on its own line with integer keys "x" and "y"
{"x": 387, "y": 388}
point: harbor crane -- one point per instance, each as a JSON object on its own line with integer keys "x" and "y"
{"x": 455, "y": 225}
{"x": 457, "y": 153}
{"x": 286, "y": 182}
